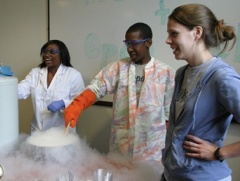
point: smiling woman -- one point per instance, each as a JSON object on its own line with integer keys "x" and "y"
{"x": 52, "y": 86}
{"x": 194, "y": 141}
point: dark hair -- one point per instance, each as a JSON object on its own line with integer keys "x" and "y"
{"x": 215, "y": 31}
{"x": 64, "y": 53}
{"x": 145, "y": 30}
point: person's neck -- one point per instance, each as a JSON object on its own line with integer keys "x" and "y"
{"x": 200, "y": 58}
{"x": 52, "y": 70}
{"x": 144, "y": 61}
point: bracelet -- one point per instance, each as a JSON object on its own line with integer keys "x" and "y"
{"x": 217, "y": 155}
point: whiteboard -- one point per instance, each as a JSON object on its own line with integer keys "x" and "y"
{"x": 94, "y": 30}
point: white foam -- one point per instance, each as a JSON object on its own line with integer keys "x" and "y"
{"x": 80, "y": 162}
{"x": 54, "y": 137}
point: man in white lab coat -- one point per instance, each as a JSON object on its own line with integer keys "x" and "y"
{"x": 142, "y": 88}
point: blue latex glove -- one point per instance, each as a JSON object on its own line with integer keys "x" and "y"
{"x": 56, "y": 105}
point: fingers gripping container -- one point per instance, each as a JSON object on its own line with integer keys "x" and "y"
{"x": 9, "y": 125}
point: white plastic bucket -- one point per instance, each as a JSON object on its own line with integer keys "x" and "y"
{"x": 51, "y": 145}
{"x": 9, "y": 125}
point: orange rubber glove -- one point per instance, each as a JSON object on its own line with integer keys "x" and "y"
{"x": 81, "y": 102}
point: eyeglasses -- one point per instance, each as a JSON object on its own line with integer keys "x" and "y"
{"x": 51, "y": 51}
{"x": 134, "y": 43}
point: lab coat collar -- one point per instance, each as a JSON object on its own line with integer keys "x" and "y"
{"x": 150, "y": 63}
{"x": 44, "y": 72}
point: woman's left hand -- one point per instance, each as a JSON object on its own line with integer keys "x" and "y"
{"x": 198, "y": 148}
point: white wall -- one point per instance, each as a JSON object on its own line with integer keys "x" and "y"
{"x": 23, "y": 31}
{"x": 94, "y": 30}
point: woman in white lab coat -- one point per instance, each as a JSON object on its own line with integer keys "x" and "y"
{"x": 52, "y": 85}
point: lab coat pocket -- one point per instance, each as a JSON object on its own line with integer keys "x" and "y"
{"x": 123, "y": 84}
{"x": 152, "y": 140}
{"x": 153, "y": 93}
{"x": 37, "y": 94}
{"x": 40, "y": 100}
{"x": 120, "y": 142}
{"x": 155, "y": 141}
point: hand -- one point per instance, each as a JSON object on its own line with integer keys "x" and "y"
{"x": 71, "y": 116}
{"x": 80, "y": 103}
{"x": 198, "y": 148}
{"x": 72, "y": 113}
{"x": 56, "y": 105}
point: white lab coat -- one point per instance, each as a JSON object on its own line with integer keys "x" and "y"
{"x": 66, "y": 85}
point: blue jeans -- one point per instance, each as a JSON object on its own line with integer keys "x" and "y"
{"x": 229, "y": 178}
